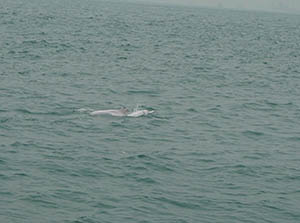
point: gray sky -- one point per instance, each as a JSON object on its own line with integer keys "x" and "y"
{"x": 269, "y": 5}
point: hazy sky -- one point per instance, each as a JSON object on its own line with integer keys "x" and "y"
{"x": 271, "y": 5}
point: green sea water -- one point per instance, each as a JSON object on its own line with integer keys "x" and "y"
{"x": 223, "y": 143}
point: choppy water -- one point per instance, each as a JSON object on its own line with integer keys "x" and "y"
{"x": 222, "y": 145}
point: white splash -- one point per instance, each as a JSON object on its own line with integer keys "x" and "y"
{"x": 84, "y": 110}
{"x": 139, "y": 113}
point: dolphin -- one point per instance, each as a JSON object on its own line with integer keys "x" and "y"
{"x": 113, "y": 112}
{"x": 122, "y": 112}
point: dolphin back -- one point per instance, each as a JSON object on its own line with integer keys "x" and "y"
{"x": 113, "y": 112}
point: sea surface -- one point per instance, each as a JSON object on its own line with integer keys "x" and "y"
{"x": 222, "y": 146}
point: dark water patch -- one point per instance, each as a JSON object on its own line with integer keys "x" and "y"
{"x": 211, "y": 125}
{"x": 162, "y": 167}
{"x": 253, "y": 157}
{"x": 117, "y": 125}
{"x": 93, "y": 173}
{"x": 216, "y": 109}
{"x": 291, "y": 177}
{"x": 19, "y": 144}
{"x": 69, "y": 195}
{"x": 139, "y": 168}
{"x": 139, "y": 156}
{"x": 21, "y": 175}
{"x": 4, "y": 120}
{"x": 2, "y": 162}
{"x": 104, "y": 205}
{"x": 59, "y": 157}
{"x": 5, "y": 193}
{"x": 201, "y": 160}
{"x": 84, "y": 219}
{"x": 159, "y": 121}
{"x": 163, "y": 140}
{"x": 146, "y": 180}
{"x": 151, "y": 93}
{"x": 23, "y": 111}
{"x": 192, "y": 110}
{"x": 53, "y": 168}
{"x": 253, "y": 134}
{"x": 111, "y": 139}
{"x": 40, "y": 200}
{"x": 244, "y": 170}
{"x": 147, "y": 162}
{"x": 294, "y": 138}
{"x": 180, "y": 204}
{"x": 51, "y": 112}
